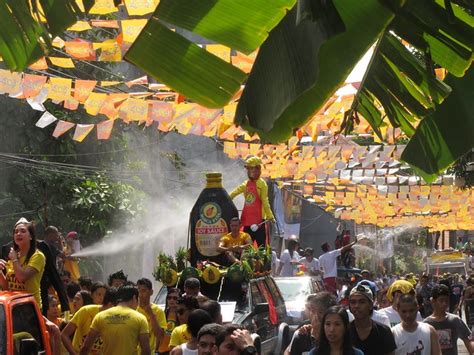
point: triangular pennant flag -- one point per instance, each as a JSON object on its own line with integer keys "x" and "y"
{"x": 104, "y": 129}
{"x": 32, "y": 84}
{"x": 45, "y": 120}
{"x": 82, "y": 130}
{"x": 62, "y": 127}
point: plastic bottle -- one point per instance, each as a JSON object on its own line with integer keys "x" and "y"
{"x": 210, "y": 220}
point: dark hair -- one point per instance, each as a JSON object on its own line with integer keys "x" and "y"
{"x": 213, "y": 308}
{"x": 85, "y": 281}
{"x": 96, "y": 285}
{"x": 210, "y": 329}
{"x": 51, "y": 230}
{"x": 196, "y": 320}
{"x": 407, "y": 298}
{"x": 234, "y": 219}
{"x": 72, "y": 288}
{"x": 192, "y": 283}
{"x": 145, "y": 282}
{"x": 65, "y": 273}
{"x": 126, "y": 293}
{"x": 226, "y": 330}
{"x": 31, "y": 229}
{"x": 119, "y": 275}
{"x": 110, "y": 296}
{"x": 292, "y": 243}
{"x": 86, "y": 297}
{"x": 325, "y": 247}
{"x": 440, "y": 290}
{"x": 189, "y": 302}
{"x": 322, "y": 300}
{"x": 324, "y": 346}
{"x": 309, "y": 251}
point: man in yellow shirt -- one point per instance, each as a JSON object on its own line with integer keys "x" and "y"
{"x": 155, "y": 316}
{"x": 180, "y": 334}
{"x": 121, "y": 328}
{"x": 233, "y": 243}
{"x": 256, "y": 207}
{"x": 81, "y": 322}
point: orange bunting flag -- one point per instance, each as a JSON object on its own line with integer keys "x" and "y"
{"x": 139, "y": 81}
{"x": 32, "y": 84}
{"x": 62, "y": 127}
{"x": 71, "y": 103}
{"x": 105, "y": 23}
{"x": 80, "y": 49}
{"x": 62, "y": 62}
{"x": 104, "y": 129}
{"x": 244, "y": 62}
{"x": 59, "y": 89}
{"x": 131, "y": 29}
{"x": 83, "y": 89}
{"x": 40, "y": 64}
{"x": 94, "y": 103}
{"x": 81, "y": 132}
{"x": 139, "y": 7}
{"x": 161, "y": 111}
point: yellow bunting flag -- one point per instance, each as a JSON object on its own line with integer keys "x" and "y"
{"x": 94, "y": 103}
{"x": 32, "y": 84}
{"x": 80, "y": 26}
{"x": 105, "y": 83}
{"x": 137, "y": 110}
{"x": 131, "y": 29}
{"x": 110, "y": 51}
{"x": 62, "y": 62}
{"x": 83, "y": 89}
{"x": 220, "y": 51}
{"x": 103, "y": 7}
{"x": 10, "y": 82}
{"x": 104, "y": 129}
{"x": 62, "y": 127}
{"x": 81, "y": 132}
{"x": 59, "y": 89}
{"x": 139, "y": 7}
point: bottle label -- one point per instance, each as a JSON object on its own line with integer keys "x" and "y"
{"x": 209, "y": 229}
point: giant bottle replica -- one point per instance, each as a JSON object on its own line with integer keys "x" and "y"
{"x": 210, "y": 220}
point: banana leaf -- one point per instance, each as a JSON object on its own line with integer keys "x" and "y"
{"x": 447, "y": 133}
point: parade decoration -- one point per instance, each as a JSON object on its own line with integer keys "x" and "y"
{"x": 169, "y": 268}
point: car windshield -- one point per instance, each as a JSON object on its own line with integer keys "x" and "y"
{"x": 294, "y": 289}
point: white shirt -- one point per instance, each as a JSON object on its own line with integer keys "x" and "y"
{"x": 288, "y": 269}
{"x": 328, "y": 262}
{"x": 310, "y": 266}
{"x": 394, "y": 317}
{"x": 417, "y": 342}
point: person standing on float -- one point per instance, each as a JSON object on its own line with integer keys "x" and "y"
{"x": 256, "y": 207}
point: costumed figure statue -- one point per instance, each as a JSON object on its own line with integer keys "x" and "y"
{"x": 256, "y": 209}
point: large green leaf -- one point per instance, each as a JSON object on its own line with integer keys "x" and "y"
{"x": 23, "y": 39}
{"x": 241, "y": 25}
{"x": 184, "y": 66}
{"x": 447, "y": 134}
{"x": 296, "y": 71}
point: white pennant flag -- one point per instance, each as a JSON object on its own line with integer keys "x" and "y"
{"x": 45, "y": 120}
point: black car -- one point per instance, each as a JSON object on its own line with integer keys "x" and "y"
{"x": 259, "y": 307}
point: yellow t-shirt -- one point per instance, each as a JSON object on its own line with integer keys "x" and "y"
{"x": 170, "y": 325}
{"x": 179, "y": 335}
{"x": 82, "y": 319}
{"x": 119, "y": 328}
{"x": 37, "y": 262}
{"x": 160, "y": 318}
{"x": 229, "y": 241}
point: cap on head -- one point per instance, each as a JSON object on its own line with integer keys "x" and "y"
{"x": 22, "y": 220}
{"x": 252, "y": 161}
{"x": 363, "y": 290}
{"x": 72, "y": 235}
